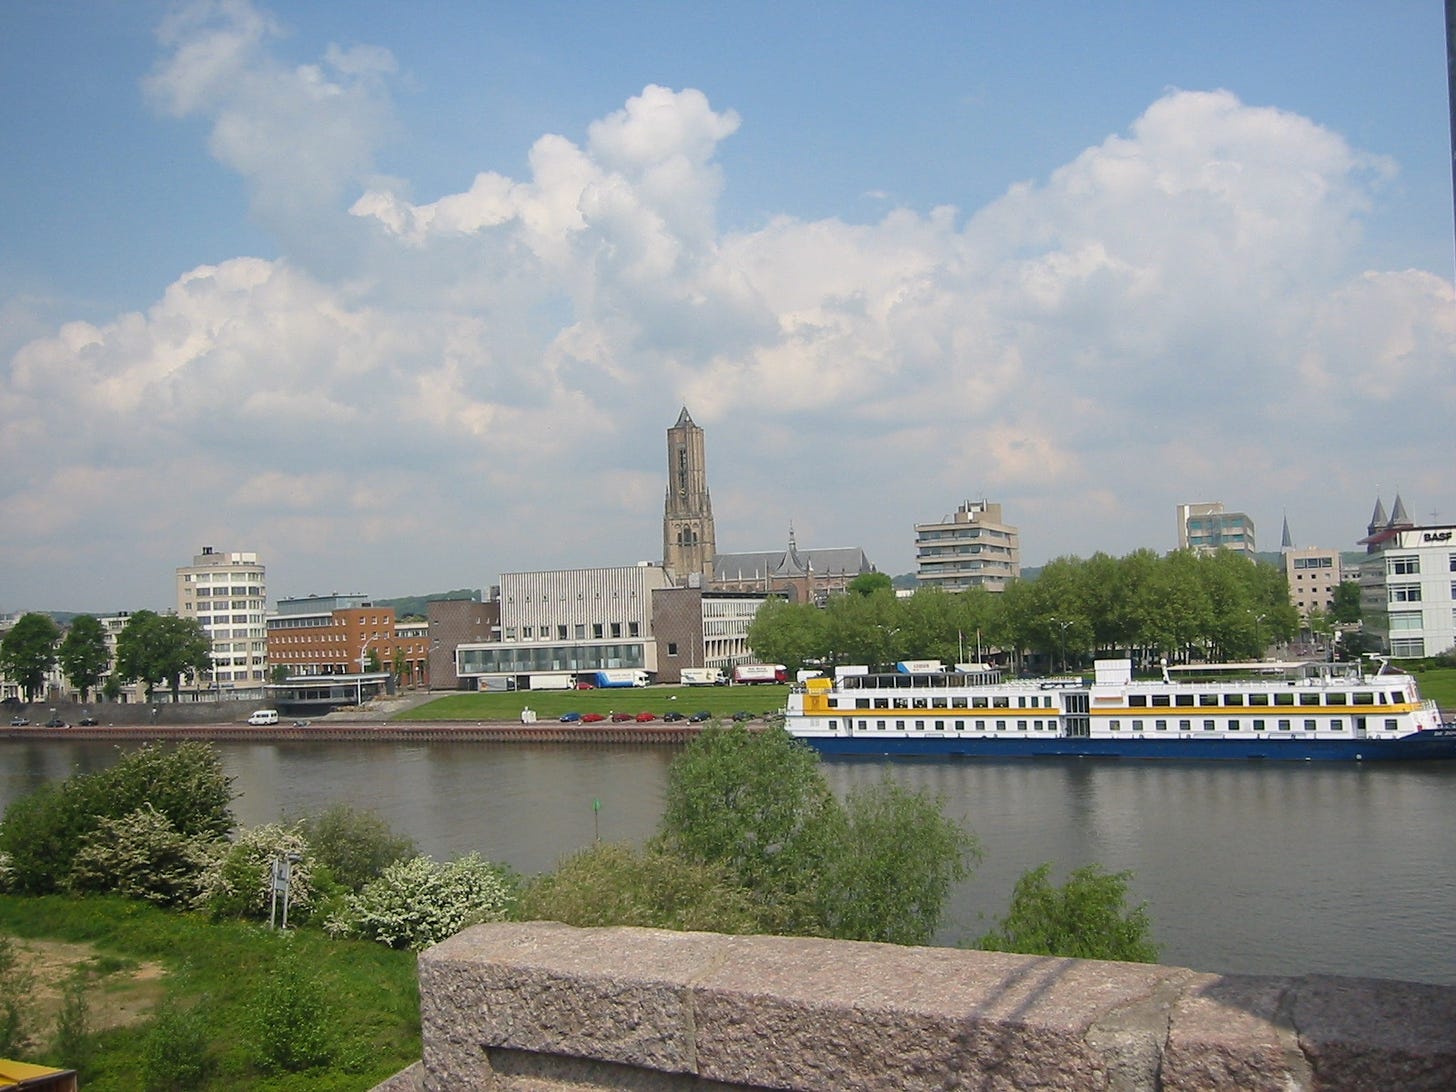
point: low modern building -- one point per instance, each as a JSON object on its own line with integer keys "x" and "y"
{"x": 322, "y": 635}
{"x": 454, "y": 622}
{"x": 972, "y": 548}
{"x": 1408, "y": 583}
{"x": 698, "y": 628}
{"x": 1209, "y": 526}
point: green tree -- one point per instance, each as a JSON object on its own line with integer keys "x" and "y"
{"x": 870, "y": 583}
{"x": 1086, "y": 918}
{"x": 154, "y": 648}
{"x": 354, "y": 845}
{"x": 28, "y": 652}
{"x": 1346, "y": 609}
{"x": 785, "y": 633}
{"x": 83, "y": 654}
{"x": 756, "y": 804}
{"x": 893, "y": 867}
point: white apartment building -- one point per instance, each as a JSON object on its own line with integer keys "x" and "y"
{"x": 1408, "y": 583}
{"x": 971, "y": 549}
{"x": 228, "y": 594}
{"x": 1209, "y": 526}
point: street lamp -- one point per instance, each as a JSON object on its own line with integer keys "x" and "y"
{"x": 1063, "y": 623}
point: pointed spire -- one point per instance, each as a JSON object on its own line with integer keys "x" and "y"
{"x": 684, "y": 420}
{"x": 1288, "y": 541}
{"x": 1378, "y": 518}
{"x": 1398, "y": 517}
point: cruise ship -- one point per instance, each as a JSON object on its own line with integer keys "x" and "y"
{"x": 1263, "y": 710}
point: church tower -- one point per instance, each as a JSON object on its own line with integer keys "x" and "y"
{"x": 688, "y": 542}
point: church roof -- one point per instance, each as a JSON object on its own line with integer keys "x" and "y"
{"x": 764, "y": 564}
{"x": 1378, "y": 518}
{"x": 1398, "y": 517}
{"x": 684, "y": 420}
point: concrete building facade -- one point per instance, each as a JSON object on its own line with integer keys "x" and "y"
{"x": 345, "y": 635}
{"x": 972, "y": 548}
{"x": 1408, "y": 583}
{"x": 227, "y": 593}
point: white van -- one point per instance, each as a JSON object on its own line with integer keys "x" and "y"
{"x": 264, "y": 716}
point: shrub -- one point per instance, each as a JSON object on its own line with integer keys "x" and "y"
{"x": 141, "y": 856}
{"x": 612, "y": 884}
{"x": 1085, "y": 918}
{"x": 416, "y": 903}
{"x": 73, "y": 1046}
{"x": 238, "y": 880}
{"x": 17, "y": 985}
{"x": 354, "y": 845}
{"x": 174, "y": 1050}
{"x": 289, "y": 1021}
{"x": 43, "y": 832}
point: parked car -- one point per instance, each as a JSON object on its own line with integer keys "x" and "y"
{"x": 643, "y": 718}
{"x": 586, "y": 685}
{"x": 673, "y": 716}
{"x": 742, "y": 716}
{"x": 87, "y": 720}
{"x": 18, "y": 722}
{"x": 700, "y": 716}
{"x": 300, "y": 724}
{"x": 622, "y": 718}
{"x": 56, "y": 722}
{"x": 569, "y": 718}
{"x": 593, "y": 718}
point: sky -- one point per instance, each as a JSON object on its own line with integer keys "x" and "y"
{"x": 402, "y": 297}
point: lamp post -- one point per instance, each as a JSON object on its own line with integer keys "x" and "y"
{"x": 1063, "y": 624}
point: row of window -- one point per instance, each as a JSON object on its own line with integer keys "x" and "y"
{"x": 599, "y": 632}
{"x": 995, "y": 701}
{"x": 1234, "y": 724}
{"x": 253, "y": 591}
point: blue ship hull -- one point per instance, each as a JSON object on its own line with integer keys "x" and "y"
{"x": 1439, "y": 744}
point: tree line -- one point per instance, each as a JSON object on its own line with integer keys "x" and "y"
{"x": 1184, "y": 606}
{"x": 151, "y": 649}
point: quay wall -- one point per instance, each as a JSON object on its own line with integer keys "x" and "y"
{"x": 543, "y": 1007}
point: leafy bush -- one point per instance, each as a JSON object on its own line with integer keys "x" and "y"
{"x": 174, "y": 1050}
{"x": 354, "y": 845}
{"x": 416, "y": 903}
{"x": 291, "y": 1027}
{"x": 43, "y": 832}
{"x": 238, "y": 880}
{"x": 141, "y": 856}
{"x": 612, "y": 884}
{"x": 17, "y": 984}
{"x": 1085, "y": 918}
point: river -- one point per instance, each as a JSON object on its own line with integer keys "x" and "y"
{"x": 1260, "y": 868}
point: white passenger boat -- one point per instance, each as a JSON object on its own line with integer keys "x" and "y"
{"x": 1230, "y": 711}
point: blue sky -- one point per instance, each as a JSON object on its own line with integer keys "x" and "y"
{"x": 402, "y": 297}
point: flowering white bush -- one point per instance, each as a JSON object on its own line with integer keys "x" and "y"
{"x": 418, "y": 902}
{"x": 238, "y": 881}
{"x": 142, "y": 855}
{"x": 5, "y": 871}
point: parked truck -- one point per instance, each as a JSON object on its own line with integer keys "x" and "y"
{"x": 550, "y": 682}
{"x": 760, "y": 673}
{"x": 619, "y": 676}
{"x": 703, "y": 676}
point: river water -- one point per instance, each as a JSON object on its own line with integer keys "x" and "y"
{"x": 1260, "y": 868}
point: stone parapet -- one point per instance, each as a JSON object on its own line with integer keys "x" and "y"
{"x": 542, "y": 1007}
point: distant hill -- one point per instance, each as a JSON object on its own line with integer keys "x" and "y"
{"x": 413, "y": 606}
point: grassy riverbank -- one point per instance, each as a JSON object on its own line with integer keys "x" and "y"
{"x": 721, "y": 701}
{"x": 220, "y": 1006}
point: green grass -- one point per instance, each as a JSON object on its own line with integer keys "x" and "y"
{"x": 721, "y": 701}
{"x": 216, "y": 972}
{"x": 1439, "y": 684}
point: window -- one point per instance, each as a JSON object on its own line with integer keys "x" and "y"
{"x": 1207, "y": 699}
{"x": 632, "y": 630}
{"x": 672, "y": 648}
{"x": 1284, "y": 725}
{"x": 1208, "y": 726}
{"x": 1309, "y": 725}
{"x": 1404, "y": 566}
{"x": 1405, "y": 593}
{"x": 1407, "y": 647}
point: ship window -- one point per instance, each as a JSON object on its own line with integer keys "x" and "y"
{"x": 1182, "y": 699}
{"x": 978, "y": 703}
{"x": 958, "y": 703}
{"x": 1114, "y": 725}
{"x": 861, "y": 703}
{"x": 1036, "y": 725}
{"x": 1309, "y": 699}
{"x": 1137, "y": 726}
{"x": 937, "y": 703}
{"x": 863, "y": 725}
{"x": 1336, "y": 724}
{"x": 1021, "y": 701}
{"x": 1390, "y": 724}
{"x": 1284, "y": 726}
{"x": 1233, "y": 699}
{"x": 960, "y": 726}
{"x": 1160, "y": 725}
{"x": 1185, "y": 725}
{"x": 1233, "y": 724}
{"x": 882, "y": 703}
{"x": 1161, "y": 700}
{"x": 980, "y": 725}
{"x": 1000, "y": 726}
{"x": 920, "y": 726}
{"x": 880, "y": 725}
{"x": 1283, "y": 699}
{"x": 918, "y": 703}
{"x": 1258, "y": 699}
{"x": 1258, "y": 725}
{"x": 1310, "y": 725}
{"x": 1208, "y": 726}
{"x": 1021, "y": 725}
{"x": 1363, "y": 697}
{"x": 1207, "y": 699}
{"x": 940, "y": 726}
{"x": 1334, "y": 699}
{"x": 900, "y": 703}
{"x": 834, "y": 725}
{"x": 1000, "y": 703}
{"x": 1139, "y": 701}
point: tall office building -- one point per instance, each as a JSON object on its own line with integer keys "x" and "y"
{"x": 1408, "y": 583}
{"x": 972, "y": 548}
{"x": 228, "y": 594}
{"x": 688, "y": 540}
{"x": 1211, "y": 527}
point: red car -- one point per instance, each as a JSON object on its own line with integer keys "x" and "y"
{"x": 592, "y": 718}
{"x": 622, "y": 718}
{"x": 643, "y": 718}
{"x": 584, "y": 685}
